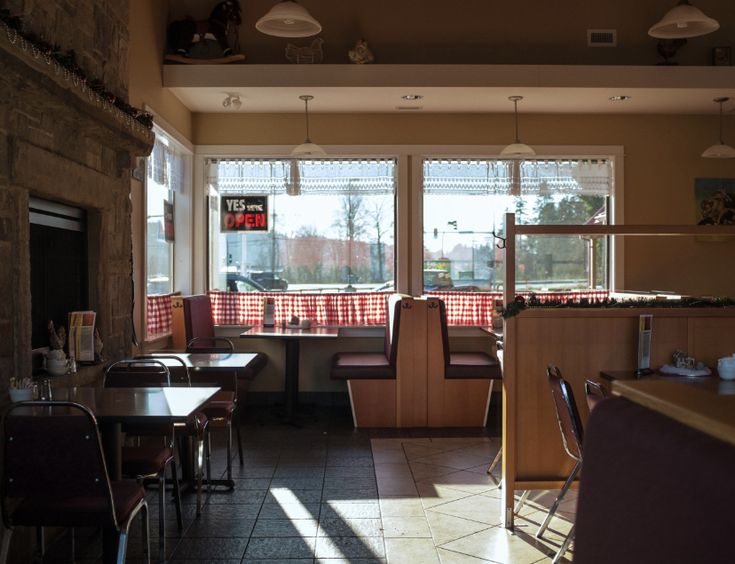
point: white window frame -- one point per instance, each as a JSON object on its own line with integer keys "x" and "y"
{"x": 409, "y": 195}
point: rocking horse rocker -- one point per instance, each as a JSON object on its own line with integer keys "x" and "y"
{"x": 206, "y": 39}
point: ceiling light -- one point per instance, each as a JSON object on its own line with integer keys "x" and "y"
{"x": 288, "y": 19}
{"x": 517, "y": 150}
{"x": 232, "y": 101}
{"x": 307, "y": 148}
{"x": 683, "y": 20}
{"x": 412, "y": 97}
{"x": 620, "y": 98}
{"x": 719, "y": 150}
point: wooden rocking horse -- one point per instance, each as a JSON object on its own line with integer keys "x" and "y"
{"x": 205, "y": 39}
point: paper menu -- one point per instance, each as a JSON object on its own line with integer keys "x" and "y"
{"x": 81, "y": 335}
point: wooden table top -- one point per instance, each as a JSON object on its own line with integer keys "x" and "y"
{"x": 708, "y": 405}
{"x": 139, "y": 405}
{"x": 292, "y": 333}
{"x": 208, "y": 361}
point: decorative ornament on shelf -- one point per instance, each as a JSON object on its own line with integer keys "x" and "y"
{"x": 307, "y": 55}
{"x": 360, "y": 54}
{"x": 214, "y": 40}
{"x": 668, "y": 48}
{"x": 64, "y": 65}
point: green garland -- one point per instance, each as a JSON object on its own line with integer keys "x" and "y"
{"x": 520, "y": 303}
{"x": 67, "y": 61}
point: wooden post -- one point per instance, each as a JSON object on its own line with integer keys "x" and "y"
{"x": 509, "y": 366}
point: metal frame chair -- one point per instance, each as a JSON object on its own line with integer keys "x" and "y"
{"x": 594, "y": 392}
{"x": 149, "y": 462}
{"x": 55, "y": 473}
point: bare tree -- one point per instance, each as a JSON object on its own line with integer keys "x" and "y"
{"x": 382, "y": 223}
{"x": 352, "y": 225}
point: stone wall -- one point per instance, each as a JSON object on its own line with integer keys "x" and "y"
{"x": 59, "y": 144}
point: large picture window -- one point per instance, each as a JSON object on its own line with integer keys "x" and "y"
{"x": 465, "y": 201}
{"x": 330, "y": 229}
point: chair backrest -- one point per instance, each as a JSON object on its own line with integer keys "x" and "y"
{"x": 392, "y": 326}
{"x": 51, "y": 452}
{"x": 594, "y": 392}
{"x": 444, "y": 330}
{"x": 198, "y": 320}
{"x": 137, "y": 373}
{"x": 567, "y": 414}
{"x": 179, "y": 373}
{"x": 210, "y": 345}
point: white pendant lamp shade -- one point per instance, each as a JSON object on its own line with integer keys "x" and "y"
{"x": 288, "y": 19}
{"x": 307, "y": 148}
{"x": 683, "y": 20}
{"x": 517, "y": 150}
{"x": 719, "y": 150}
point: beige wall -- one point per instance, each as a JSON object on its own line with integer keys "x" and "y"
{"x": 662, "y": 159}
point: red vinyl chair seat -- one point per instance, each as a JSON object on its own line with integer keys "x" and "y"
{"x": 362, "y": 366}
{"x": 145, "y": 460}
{"x": 473, "y": 365}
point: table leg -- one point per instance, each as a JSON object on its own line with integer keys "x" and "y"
{"x": 292, "y": 377}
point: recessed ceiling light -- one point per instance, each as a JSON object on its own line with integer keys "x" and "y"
{"x": 412, "y": 97}
{"x": 621, "y": 98}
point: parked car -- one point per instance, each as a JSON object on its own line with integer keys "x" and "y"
{"x": 237, "y": 282}
{"x": 435, "y": 279}
{"x": 269, "y": 280}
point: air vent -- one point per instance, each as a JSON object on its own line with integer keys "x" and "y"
{"x": 409, "y": 108}
{"x": 602, "y": 38}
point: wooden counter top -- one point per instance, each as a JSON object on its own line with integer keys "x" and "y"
{"x": 708, "y": 406}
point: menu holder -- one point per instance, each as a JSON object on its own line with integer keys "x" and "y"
{"x": 81, "y": 335}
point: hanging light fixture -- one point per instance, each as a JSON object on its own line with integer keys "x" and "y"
{"x": 288, "y": 19}
{"x": 719, "y": 150}
{"x": 517, "y": 150}
{"x": 682, "y": 21}
{"x": 307, "y": 148}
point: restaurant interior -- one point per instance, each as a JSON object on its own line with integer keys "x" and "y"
{"x": 336, "y": 282}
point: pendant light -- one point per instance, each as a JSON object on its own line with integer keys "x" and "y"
{"x": 719, "y": 150}
{"x": 307, "y": 148}
{"x": 288, "y": 19}
{"x": 517, "y": 150}
{"x": 682, "y": 21}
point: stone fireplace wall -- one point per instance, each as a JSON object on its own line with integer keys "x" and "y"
{"x": 57, "y": 143}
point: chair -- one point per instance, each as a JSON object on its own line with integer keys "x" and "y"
{"x": 198, "y": 427}
{"x": 54, "y": 475}
{"x": 222, "y": 409}
{"x": 594, "y": 392}
{"x": 570, "y": 426}
{"x": 149, "y": 461}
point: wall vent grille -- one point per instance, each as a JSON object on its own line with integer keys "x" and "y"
{"x": 602, "y": 38}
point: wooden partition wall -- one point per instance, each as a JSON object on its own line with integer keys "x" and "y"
{"x": 583, "y": 342}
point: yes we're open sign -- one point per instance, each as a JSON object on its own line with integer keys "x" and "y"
{"x": 243, "y": 213}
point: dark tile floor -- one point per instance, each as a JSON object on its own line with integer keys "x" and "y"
{"x": 304, "y": 494}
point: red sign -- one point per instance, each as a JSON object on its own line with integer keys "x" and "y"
{"x": 243, "y": 213}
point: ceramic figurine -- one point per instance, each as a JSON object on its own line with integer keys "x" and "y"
{"x": 309, "y": 55}
{"x": 360, "y": 54}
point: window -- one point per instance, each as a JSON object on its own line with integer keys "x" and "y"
{"x": 328, "y": 226}
{"x": 464, "y": 204}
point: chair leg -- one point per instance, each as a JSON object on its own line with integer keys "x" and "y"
{"x": 40, "y": 542}
{"x": 162, "y": 517}
{"x": 565, "y": 545}
{"x": 122, "y": 547}
{"x": 208, "y": 444}
{"x": 145, "y": 521}
{"x": 495, "y": 461}
{"x": 5, "y": 547}
{"x": 177, "y": 495}
{"x": 229, "y": 449}
{"x": 521, "y": 501}
{"x": 200, "y": 449}
{"x": 239, "y": 437}
{"x": 558, "y": 499}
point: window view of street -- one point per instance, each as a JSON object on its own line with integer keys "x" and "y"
{"x": 330, "y": 227}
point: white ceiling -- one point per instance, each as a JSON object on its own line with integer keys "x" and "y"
{"x": 453, "y": 88}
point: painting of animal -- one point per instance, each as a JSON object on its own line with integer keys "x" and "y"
{"x": 184, "y": 34}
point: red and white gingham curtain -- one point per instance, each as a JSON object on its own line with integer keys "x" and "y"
{"x": 463, "y": 308}
{"x": 158, "y": 315}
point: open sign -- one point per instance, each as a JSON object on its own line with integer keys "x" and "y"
{"x": 243, "y": 213}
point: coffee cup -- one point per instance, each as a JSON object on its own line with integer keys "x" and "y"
{"x": 726, "y": 368}
{"x": 306, "y": 323}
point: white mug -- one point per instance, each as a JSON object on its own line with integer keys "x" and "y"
{"x": 726, "y": 368}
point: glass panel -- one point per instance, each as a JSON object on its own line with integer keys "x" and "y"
{"x": 331, "y": 226}
{"x": 159, "y": 251}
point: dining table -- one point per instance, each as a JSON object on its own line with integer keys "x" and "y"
{"x": 291, "y": 337}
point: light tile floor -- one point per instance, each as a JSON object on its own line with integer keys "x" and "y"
{"x": 330, "y": 494}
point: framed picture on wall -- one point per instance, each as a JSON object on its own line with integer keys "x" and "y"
{"x": 721, "y": 56}
{"x": 715, "y": 201}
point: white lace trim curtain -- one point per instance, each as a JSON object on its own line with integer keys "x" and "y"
{"x": 506, "y": 177}
{"x": 280, "y": 176}
{"x": 166, "y": 165}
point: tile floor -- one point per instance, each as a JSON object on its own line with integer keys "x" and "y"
{"x": 327, "y": 493}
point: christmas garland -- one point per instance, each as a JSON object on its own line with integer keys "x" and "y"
{"x": 520, "y": 303}
{"x": 65, "y": 63}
